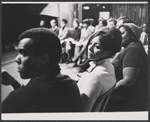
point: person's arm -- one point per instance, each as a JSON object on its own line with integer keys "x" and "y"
{"x": 89, "y": 90}
{"x": 7, "y": 79}
{"x": 130, "y": 75}
{"x": 131, "y": 63}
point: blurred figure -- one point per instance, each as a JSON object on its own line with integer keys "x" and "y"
{"x": 54, "y": 26}
{"x": 100, "y": 77}
{"x": 64, "y": 30}
{"x": 63, "y": 34}
{"x": 122, "y": 20}
{"x": 131, "y": 91}
{"x": 74, "y": 36}
{"x": 144, "y": 37}
{"x": 85, "y": 35}
{"x": 111, "y": 23}
{"x": 91, "y": 27}
{"x": 144, "y": 34}
{"x": 101, "y": 22}
{"x": 42, "y": 23}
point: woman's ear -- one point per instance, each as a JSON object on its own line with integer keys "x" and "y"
{"x": 43, "y": 59}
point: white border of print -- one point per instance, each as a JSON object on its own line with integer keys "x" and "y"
{"x": 77, "y": 116}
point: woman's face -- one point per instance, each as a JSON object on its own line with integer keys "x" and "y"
{"x": 63, "y": 24}
{"x": 120, "y": 22}
{"x": 75, "y": 24}
{"x": 85, "y": 25}
{"x": 100, "y": 24}
{"x": 126, "y": 36}
{"x": 94, "y": 49}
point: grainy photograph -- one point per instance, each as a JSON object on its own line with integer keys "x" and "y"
{"x": 74, "y": 58}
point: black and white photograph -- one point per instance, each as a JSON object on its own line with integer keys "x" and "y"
{"x": 74, "y": 60}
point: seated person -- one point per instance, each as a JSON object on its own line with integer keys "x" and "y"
{"x": 85, "y": 35}
{"x": 63, "y": 34}
{"x": 100, "y": 77}
{"x": 101, "y": 23}
{"x": 71, "y": 41}
{"x": 131, "y": 69}
{"x": 144, "y": 36}
{"x": 92, "y": 28}
{"x": 123, "y": 19}
{"x": 64, "y": 30}
{"x": 48, "y": 90}
{"x": 111, "y": 23}
{"x": 54, "y": 27}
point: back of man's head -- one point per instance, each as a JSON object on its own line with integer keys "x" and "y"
{"x": 44, "y": 41}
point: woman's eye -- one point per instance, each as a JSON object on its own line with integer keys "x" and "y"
{"x": 97, "y": 47}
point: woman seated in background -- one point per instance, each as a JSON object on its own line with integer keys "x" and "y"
{"x": 85, "y": 35}
{"x": 131, "y": 68}
{"x": 100, "y": 77}
{"x": 101, "y": 23}
{"x": 73, "y": 38}
{"x": 63, "y": 34}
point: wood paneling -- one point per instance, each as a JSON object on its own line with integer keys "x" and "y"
{"x": 137, "y": 12}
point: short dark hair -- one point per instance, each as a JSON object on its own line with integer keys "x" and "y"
{"x": 112, "y": 20}
{"x": 110, "y": 40}
{"x": 86, "y": 21}
{"x": 65, "y": 21}
{"x": 103, "y": 21}
{"x": 44, "y": 41}
{"x": 125, "y": 19}
{"x": 77, "y": 21}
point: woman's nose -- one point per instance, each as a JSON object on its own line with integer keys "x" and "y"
{"x": 18, "y": 59}
{"x": 91, "y": 48}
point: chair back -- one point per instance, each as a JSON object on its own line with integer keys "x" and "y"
{"x": 101, "y": 103}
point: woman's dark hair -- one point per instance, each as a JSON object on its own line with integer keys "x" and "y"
{"x": 110, "y": 40}
{"x": 43, "y": 41}
{"x": 103, "y": 21}
{"x": 65, "y": 21}
{"x": 77, "y": 21}
{"x": 125, "y": 19}
{"x": 86, "y": 21}
{"x": 130, "y": 32}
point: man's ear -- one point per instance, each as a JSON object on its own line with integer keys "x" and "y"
{"x": 43, "y": 59}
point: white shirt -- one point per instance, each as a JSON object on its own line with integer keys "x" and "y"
{"x": 96, "y": 83}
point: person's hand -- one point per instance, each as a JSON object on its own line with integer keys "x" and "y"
{"x": 7, "y": 79}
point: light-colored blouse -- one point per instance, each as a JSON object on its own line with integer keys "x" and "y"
{"x": 97, "y": 82}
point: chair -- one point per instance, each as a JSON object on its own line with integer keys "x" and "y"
{"x": 101, "y": 102}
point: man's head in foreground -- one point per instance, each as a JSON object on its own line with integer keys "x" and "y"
{"x": 38, "y": 48}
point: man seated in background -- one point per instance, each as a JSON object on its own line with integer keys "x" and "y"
{"x": 54, "y": 26}
{"x": 111, "y": 23}
{"x": 48, "y": 90}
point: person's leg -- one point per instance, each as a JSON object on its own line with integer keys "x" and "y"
{"x": 76, "y": 52}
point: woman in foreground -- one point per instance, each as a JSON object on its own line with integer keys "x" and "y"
{"x": 100, "y": 77}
